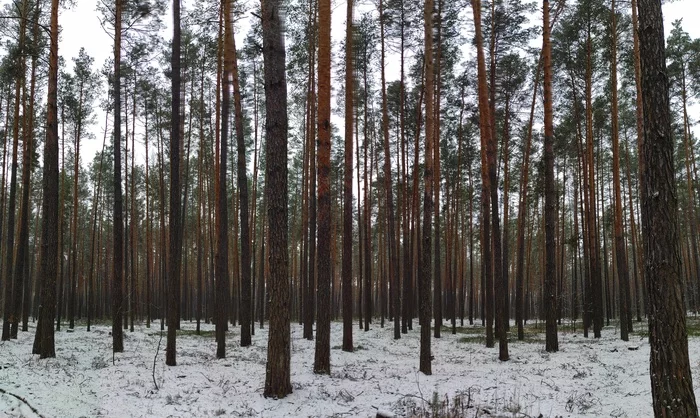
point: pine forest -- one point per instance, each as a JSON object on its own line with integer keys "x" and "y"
{"x": 349, "y": 208}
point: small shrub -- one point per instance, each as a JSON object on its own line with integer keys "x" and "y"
{"x": 437, "y": 407}
{"x": 98, "y": 363}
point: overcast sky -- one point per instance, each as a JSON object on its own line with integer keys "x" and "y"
{"x": 81, "y": 28}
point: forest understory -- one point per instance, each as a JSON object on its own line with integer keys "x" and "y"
{"x": 603, "y": 377}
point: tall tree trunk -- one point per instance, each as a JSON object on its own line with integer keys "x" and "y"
{"x": 200, "y": 209}
{"x": 74, "y": 231}
{"x": 367, "y": 296}
{"x": 22, "y": 284}
{"x": 606, "y": 278}
{"x": 361, "y": 244}
{"x": 234, "y": 287}
{"x": 3, "y": 190}
{"x": 596, "y": 285}
{"x": 305, "y": 180}
{"x": 175, "y": 226}
{"x": 91, "y": 303}
{"x": 694, "y": 267}
{"x": 221, "y": 257}
{"x": 183, "y": 300}
{"x": 561, "y": 261}
{"x": 347, "y": 183}
{"x": 636, "y": 270}
{"x": 620, "y": 251}
{"x": 671, "y": 382}
{"x": 246, "y": 313}
{"x": 277, "y": 376}
{"x": 575, "y": 253}
{"x": 61, "y": 225}
{"x": 8, "y": 315}
{"x": 313, "y": 197}
{"x": 44, "y": 342}
{"x": 437, "y": 272}
{"x": 410, "y": 294}
{"x": 134, "y": 293}
{"x": 522, "y": 214}
{"x": 389, "y": 195}
{"x": 550, "y": 284}
{"x": 127, "y": 198}
{"x": 505, "y": 250}
{"x": 472, "y": 289}
{"x": 410, "y": 243}
{"x": 428, "y": 204}
{"x": 163, "y": 238}
{"x": 311, "y": 277}
{"x": 491, "y": 152}
{"x": 32, "y": 293}
{"x": 639, "y": 117}
{"x": 323, "y": 325}
{"x": 117, "y": 216}
{"x": 486, "y": 178}
{"x": 253, "y": 210}
{"x": 461, "y": 240}
{"x": 148, "y": 284}
{"x": 264, "y": 238}
{"x": 497, "y": 263}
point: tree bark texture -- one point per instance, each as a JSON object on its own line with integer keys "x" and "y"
{"x": 671, "y": 382}
{"x": 175, "y": 227}
{"x": 277, "y": 373}
{"x": 550, "y": 281}
{"x": 49, "y": 225}
{"x": 428, "y": 204}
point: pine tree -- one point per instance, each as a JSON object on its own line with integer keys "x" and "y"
{"x": 347, "y": 184}
{"x": 117, "y": 217}
{"x": 671, "y": 383}
{"x": 277, "y": 373}
{"x": 222, "y": 250}
{"x": 49, "y": 229}
{"x": 323, "y": 296}
{"x": 242, "y": 177}
{"x": 175, "y": 225}
{"x": 550, "y": 284}
{"x": 10, "y": 287}
{"x": 428, "y": 203}
{"x": 620, "y": 250}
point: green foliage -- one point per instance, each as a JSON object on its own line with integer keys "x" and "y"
{"x": 683, "y": 60}
{"x": 139, "y": 17}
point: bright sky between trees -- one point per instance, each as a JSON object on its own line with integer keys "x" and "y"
{"x": 81, "y": 28}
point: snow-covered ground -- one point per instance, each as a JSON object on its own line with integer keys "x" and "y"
{"x": 587, "y": 377}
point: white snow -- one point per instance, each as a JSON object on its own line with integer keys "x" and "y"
{"x": 587, "y": 377}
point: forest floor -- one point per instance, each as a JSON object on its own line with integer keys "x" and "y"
{"x": 587, "y": 377}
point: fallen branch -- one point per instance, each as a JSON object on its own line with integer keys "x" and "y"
{"x": 421, "y": 392}
{"x": 414, "y": 396}
{"x": 155, "y": 358}
{"x": 26, "y": 402}
{"x": 340, "y": 414}
{"x": 205, "y": 376}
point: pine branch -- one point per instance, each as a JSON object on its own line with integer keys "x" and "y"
{"x": 36, "y": 411}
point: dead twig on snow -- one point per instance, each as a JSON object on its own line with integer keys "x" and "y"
{"x": 155, "y": 358}
{"x": 26, "y": 402}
